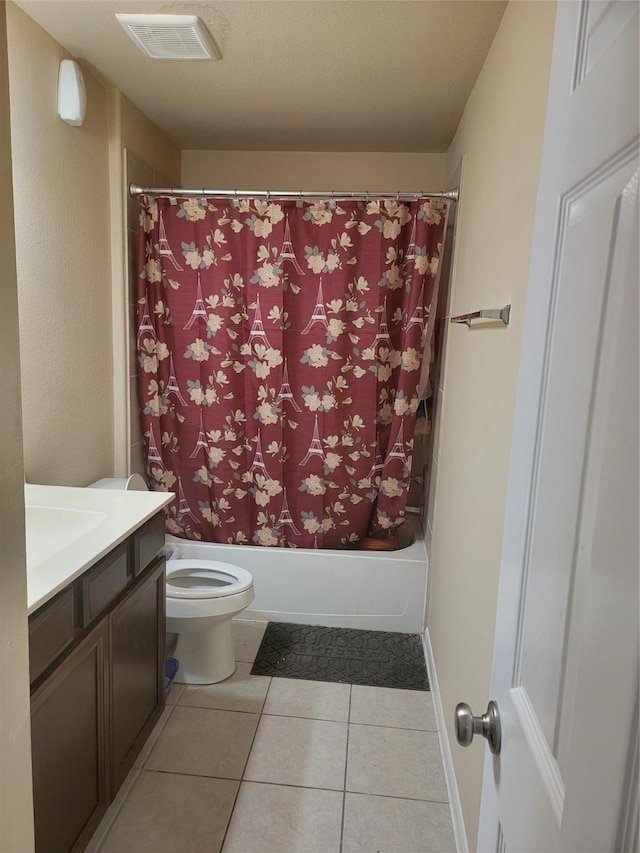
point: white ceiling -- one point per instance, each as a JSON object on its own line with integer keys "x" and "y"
{"x": 296, "y": 75}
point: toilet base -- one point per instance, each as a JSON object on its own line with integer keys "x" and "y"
{"x": 205, "y": 657}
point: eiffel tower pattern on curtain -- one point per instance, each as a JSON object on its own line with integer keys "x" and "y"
{"x": 319, "y": 315}
{"x": 301, "y": 414}
{"x": 285, "y": 392}
{"x": 164, "y": 249}
{"x": 172, "y": 386}
{"x": 202, "y": 442}
{"x": 153, "y": 454}
{"x": 378, "y": 464}
{"x": 286, "y": 252}
{"x": 285, "y": 519}
{"x": 315, "y": 448}
{"x": 417, "y": 318}
{"x": 397, "y": 451}
{"x": 257, "y": 335}
{"x": 258, "y": 466}
{"x": 382, "y": 334}
{"x": 146, "y": 327}
{"x": 411, "y": 248}
{"x": 199, "y": 310}
{"x": 184, "y": 510}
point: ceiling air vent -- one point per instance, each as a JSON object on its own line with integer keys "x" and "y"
{"x": 170, "y": 36}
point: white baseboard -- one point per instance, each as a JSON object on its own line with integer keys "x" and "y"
{"x": 459, "y": 831}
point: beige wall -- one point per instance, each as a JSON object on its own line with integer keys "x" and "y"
{"x": 73, "y": 265}
{"x": 500, "y": 139}
{"x": 149, "y": 144}
{"x": 313, "y": 170}
{"x": 16, "y": 814}
{"x": 61, "y": 189}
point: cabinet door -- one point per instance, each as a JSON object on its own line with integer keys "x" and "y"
{"x": 137, "y": 638}
{"x": 68, "y": 725}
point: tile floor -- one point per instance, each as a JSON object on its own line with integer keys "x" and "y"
{"x": 275, "y": 765}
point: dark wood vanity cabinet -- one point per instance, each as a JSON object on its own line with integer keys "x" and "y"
{"x": 136, "y": 633}
{"x": 69, "y": 714}
{"x": 97, "y": 668}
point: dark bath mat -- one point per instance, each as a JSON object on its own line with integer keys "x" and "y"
{"x": 372, "y": 658}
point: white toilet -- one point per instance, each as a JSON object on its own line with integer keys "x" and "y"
{"x": 202, "y": 598}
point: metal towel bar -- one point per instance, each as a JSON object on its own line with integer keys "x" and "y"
{"x": 485, "y": 314}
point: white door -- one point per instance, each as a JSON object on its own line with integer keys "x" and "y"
{"x": 565, "y": 672}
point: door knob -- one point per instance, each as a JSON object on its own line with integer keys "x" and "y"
{"x": 488, "y": 725}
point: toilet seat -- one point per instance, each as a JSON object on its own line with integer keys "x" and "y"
{"x": 198, "y": 579}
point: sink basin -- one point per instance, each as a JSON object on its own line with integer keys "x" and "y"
{"x": 50, "y": 529}
{"x": 70, "y": 528}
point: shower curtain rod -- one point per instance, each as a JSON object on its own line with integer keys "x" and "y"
{"x": 134, "y": 190}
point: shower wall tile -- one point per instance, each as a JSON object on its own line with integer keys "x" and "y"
{"x": 446, "y": 331}
{"x": 137, "y": 461}
{"x": 439, "y": 343}
{"x": 437, "y": 419}
{"x": 428, "y": 535}
{"x": 432, "y": 491}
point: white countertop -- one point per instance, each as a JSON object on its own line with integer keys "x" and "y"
{"x": 69, "y": 529}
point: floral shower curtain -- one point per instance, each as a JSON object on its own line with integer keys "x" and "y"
{"x": 280, "y": 347}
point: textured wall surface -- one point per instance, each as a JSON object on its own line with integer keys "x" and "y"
{"x": 313, "y": 170}
{"x": 16, "y": 812}
{"x": 61, "y": 190}
{"x": 500, "y": 138}
{"x": 142, "y": 137}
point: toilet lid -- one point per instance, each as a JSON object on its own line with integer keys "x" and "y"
{"x": 205, "y": 579}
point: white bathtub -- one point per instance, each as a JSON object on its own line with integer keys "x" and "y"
{"x": 378, "y": 591}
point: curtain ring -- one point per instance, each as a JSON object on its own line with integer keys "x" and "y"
{"x": 367, "y": 196}
{"x": 398, "y": 197}
{"x": 268, "y": 196}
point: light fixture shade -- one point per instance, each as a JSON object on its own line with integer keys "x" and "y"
{"x": 72, "y": 95}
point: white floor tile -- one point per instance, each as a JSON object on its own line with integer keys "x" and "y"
{"x": 247, "y": 637}
{"x": 384, "y": 706}
{"x": 281, "y": 819}
{"x": 286, "y": 739}
{"x": 305, "y": 753}
{"x": 395, "y": 763}
{"x": 169, "y": 812}
{"x": 240, "y": 692}
{"x": 318, "y": 700}
{"x": 175, "y": 692}
{"x": 390, "y": 825}
{"x": 145, "y": 752}
{"x": 204, "y": 742}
